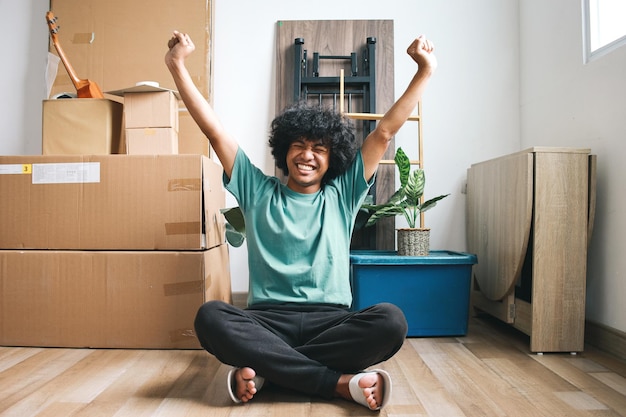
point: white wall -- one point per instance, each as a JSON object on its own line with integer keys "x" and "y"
{"x": 495, "y": 92}
{"x": 24, "y": 55}
{"x": 470, "y": 108}
{"x": 567, "y": 103}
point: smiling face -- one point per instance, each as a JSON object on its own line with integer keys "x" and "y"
{"x": 307, "y": 161}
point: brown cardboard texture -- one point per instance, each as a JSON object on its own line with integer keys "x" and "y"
{"x": 152, "y": 141}
{"x": 117, "y": 43}
{"x": 111, "y": 202}
{"x": 143, "y": 87}
{"x": 191, "y": 140}
{"x": 139, "y": 299}
{"x": 190, "y": 137}
{"x": 153, "y": 109}
{"x": 81, "y": 126}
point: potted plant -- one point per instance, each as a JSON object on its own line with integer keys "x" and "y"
{"x": 414, "y": 240}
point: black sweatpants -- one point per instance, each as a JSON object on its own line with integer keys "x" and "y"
{"x": 301, "y": 346}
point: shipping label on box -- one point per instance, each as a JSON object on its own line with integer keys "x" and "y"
{"x": 138, "y": 299}
{"x": 111, "y": 202}
{"x": 66, "y": 173}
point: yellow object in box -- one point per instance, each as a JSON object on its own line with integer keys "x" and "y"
{"x": 81, "y": 126}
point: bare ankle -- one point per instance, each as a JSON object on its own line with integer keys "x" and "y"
{"x": 342, "y": 389}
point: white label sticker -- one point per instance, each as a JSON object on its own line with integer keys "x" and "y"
{"x": 66, "y": 173}
{"x": 15, "y": 169}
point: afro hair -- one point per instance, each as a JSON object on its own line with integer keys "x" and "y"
{"x": 316, "y": 123}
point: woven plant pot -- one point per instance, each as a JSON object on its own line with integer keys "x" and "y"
{"x": 413, "y": 242}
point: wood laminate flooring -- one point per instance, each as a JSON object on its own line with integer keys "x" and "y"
{"x": 489, "y": 372}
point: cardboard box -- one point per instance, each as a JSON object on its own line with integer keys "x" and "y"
{"x": 152, "y": 141}
{"x": 111, "y": 202}
{"x": 149, "y": 105}
{"x": 81, "y": 126}
{"x": 191, "y": 140}
{"x": 433, "y": 291}
{"x": 151, "y": 110}
{"x": 190, "y": 137}
{"x": 142, "y": 299}
{"x": 117, "y": 43}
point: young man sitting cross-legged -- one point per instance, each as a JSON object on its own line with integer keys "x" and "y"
{"x": 297, "y": 331}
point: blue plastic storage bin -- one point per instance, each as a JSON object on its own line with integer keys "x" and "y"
{"x": 433, "y": 291}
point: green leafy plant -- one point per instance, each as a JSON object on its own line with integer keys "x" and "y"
{"x": 235, "y": 226}
{"x": 406, "y": 200}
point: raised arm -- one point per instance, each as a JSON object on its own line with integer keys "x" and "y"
{"x": 377, "y": 142}
{"x": 225, "y": 147}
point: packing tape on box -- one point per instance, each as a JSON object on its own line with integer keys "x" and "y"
{"x": 183, "y": 228}
{"x": 84, "y": 37}
{"x": 183, "y": 288}
{"x": 184, "y": 184}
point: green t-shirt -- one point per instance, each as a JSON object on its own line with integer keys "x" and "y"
{"x": 298, "y": 244}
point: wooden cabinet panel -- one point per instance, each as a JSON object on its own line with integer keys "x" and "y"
{"x": 499, "y": 228}
{"x": 546, "y": 252}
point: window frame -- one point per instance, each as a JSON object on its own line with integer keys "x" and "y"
{"x": 591, "y": 55}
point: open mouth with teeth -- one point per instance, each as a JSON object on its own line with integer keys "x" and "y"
{"x": 303, "y": 167}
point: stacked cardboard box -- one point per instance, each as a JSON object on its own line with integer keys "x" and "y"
{"x": 118, "y": 43}
{"x": 151, "y": 123}
{"x": 109, "y": 250}
{"x": 106, "y": 250}
{"x": 150, "y": 119}
{"x": 96, "y": 126}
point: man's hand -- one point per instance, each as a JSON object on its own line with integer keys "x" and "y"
{"x": 180, "y": 47}
{"x": 421, "y": 50}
